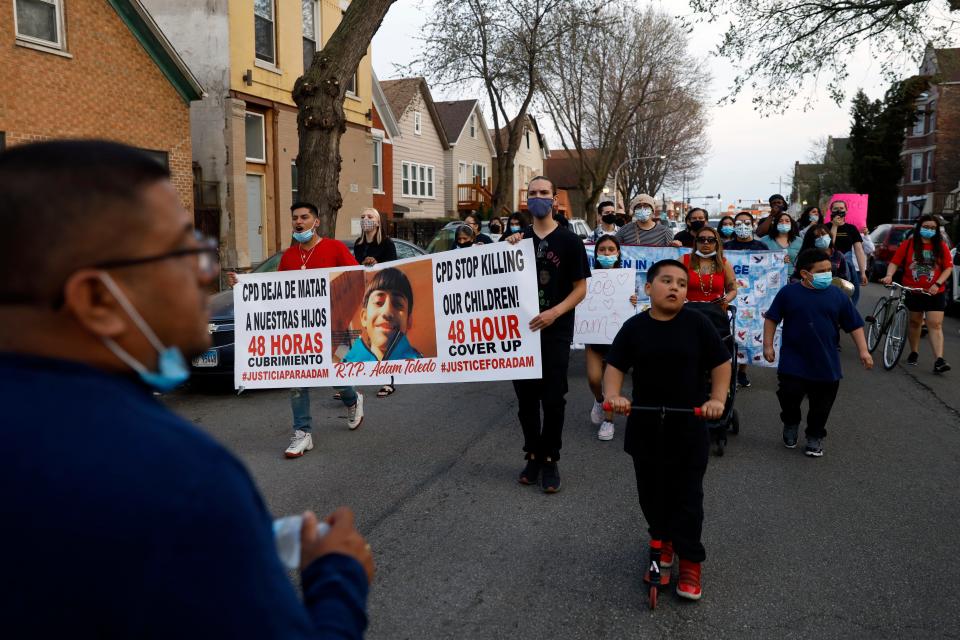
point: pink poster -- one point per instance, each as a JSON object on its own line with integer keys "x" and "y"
{"x": 856, "y": 208}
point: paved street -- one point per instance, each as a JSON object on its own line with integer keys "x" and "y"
{"x": 860, "y": 543}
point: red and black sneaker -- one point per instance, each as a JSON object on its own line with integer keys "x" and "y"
{"x": 666, "y": 555}
{"x": 688, "y": 585}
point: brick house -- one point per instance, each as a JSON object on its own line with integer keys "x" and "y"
{"x": 248, "y": 55}
{"x": 384, "y": 131}
{"x": 931, "y": 150}
{"x": 83, "y": 69}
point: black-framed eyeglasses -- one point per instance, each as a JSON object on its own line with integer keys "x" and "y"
{"x": 707, "y": 240}
{"x": 207, "y": 256}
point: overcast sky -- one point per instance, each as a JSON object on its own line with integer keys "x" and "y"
{"x": 748, "y": 155}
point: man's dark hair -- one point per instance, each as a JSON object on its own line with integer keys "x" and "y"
{"x": 605, "y": 203}
{"x": 809, "y": 257}
{"x": 88, "y": 192}
{"x": 694, "y": 210}
{"x": 776, "y": 196}
{"x": 744, "y": 213}
{"x": 305, "y": 205}
{"x": 553, "y": 187}
{"x": 390, "y": 279}
{"x": 658, "y": 266}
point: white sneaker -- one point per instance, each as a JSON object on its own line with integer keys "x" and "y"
{"x": 606, "y": 431}
{"x": 355, "y": 413}
{"x": 596, "y": 414}
{"x": 299, "y": 443}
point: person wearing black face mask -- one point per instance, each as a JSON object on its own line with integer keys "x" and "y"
{"x": 696, "y": 220}
{"x": 464, "y": 237}
{"x": 608, "y": 221}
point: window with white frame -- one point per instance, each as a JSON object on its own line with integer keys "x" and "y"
{"x": 916, "y": 167}
{"x": 918, "y": 126}
{"x": 473, "y": 125}
{"x": 352, "y": 84}
{"x": 463, "y": 170}
{"x": 39, "y": 21}
{"x": 308, "y": 11}
{"x": 255, "y": 137}
{"x": 416, "y": 180}
{"x": 378, "y": 165}
{"x": 264, "y": 27}
{"x": 480, "y": 172}
{"x": 417, "y": 123}
{"x": 929, "y": 165}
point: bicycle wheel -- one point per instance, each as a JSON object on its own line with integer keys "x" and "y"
{"x": 896, "y": 338}
{"x": 875, "y": 328}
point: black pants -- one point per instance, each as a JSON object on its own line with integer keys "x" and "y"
{"x": 820, "y": 396}
{"x": 670, "y": 461}
{"x": 547, "y": 392}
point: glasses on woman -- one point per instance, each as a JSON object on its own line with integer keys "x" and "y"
{"x": 707, "y": 240}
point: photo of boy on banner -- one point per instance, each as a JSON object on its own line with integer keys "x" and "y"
{"x": 378, "y": 315}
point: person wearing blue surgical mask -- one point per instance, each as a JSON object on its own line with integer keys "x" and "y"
{"x": 515, "y": 224}
{"x": 812, "y": 312}
{"x": 562, "y": 272}
{"x": 606, "y": 256}
{"x": 818, "y": 237}
{"x": 810, "y": 218}
{"x": 783, "y": 236}
{"x": 726, "y": 228}
{"x": 102, "y": 479}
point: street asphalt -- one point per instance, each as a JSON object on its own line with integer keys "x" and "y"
{"x": 861, "y": 543}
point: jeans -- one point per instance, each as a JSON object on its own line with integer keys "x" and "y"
{"x": 300, "y": 403}
{"x": 543, "y": 440}
{"x": 820, "y": 395}
{"x": 854, "y": 274}
{"x": 670, "y": 460}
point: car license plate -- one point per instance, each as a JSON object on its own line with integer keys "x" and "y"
{"x": 207, "y": 359}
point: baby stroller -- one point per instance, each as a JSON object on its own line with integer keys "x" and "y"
{"x": 725, "y": 322}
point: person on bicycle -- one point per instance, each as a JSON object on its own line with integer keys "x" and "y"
{"x": 672, "y": 351}
{"x": 926, "y": 263}
{"x": 812, "y": 312}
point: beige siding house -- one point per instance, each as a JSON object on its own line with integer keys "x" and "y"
{"x": 419, "y": 175}
{"x": 529, "y": 160}
{"x": 468, "y": 160}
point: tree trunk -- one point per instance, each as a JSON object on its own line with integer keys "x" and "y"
{"x": 319, "y": 96}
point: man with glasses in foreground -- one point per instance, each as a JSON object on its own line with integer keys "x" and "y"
{"x": 126, "y": 520}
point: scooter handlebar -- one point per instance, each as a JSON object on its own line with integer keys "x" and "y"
{"x": 696, "y": 411}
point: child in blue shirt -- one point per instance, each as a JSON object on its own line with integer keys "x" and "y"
{"x": 812, "y": 312}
